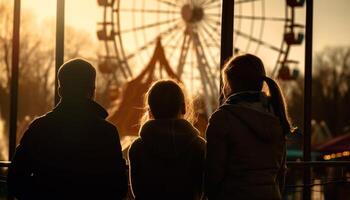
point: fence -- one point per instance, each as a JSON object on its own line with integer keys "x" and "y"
{"x": 330, "y": 180}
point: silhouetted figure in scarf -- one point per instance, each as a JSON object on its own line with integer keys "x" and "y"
{"x": 246, "y": 148}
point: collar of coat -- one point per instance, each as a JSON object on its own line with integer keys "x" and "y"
{"x": 80, "y": 106}
{"x": 246, "y": 96}
{"x": 168, "y": 138}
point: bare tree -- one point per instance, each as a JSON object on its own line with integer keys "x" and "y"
{"x": 331, "y": 90}
{"x": 37, "y": 62}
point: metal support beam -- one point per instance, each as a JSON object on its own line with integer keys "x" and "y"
{"x": 14, "y": 78}
{"x": 307, "y": 98}
{"x": 226, "y": 48}
{"x": 59, "y": 43}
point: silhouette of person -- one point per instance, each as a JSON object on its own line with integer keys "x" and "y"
{"x": 246, "y": 148}
{"x": 71, "y": 152}
{"x": 167, "y": 160}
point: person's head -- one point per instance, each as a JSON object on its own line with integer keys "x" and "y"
{"x": 247, "y": 73}
{"x": 243, "y": 73}
{"x": 166, "y": 99}
{"x": 76, "y": 79}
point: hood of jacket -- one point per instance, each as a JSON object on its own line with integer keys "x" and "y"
{"x": 80, "y": 107}
{"x": 168, "y": 138}
{"x": 254, "y": 110}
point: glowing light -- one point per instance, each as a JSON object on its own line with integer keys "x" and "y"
{"x": 3, "y": 142}
{"x": 336, "y": 155}
{"x": 326, "y": 157}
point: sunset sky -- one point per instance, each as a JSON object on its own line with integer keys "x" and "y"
{"x": 331, "y": 17}
{"x": 331, "y": 26}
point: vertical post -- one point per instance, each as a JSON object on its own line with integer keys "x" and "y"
{"x": 227, "y": 23}
{"x": 308, "y": 98}
{"x": 14, "y": 78}
{"x": 59, "y": 43}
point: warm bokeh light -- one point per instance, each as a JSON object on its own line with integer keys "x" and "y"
{"x": 336, "y": 155}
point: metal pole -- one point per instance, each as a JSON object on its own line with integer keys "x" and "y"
{"x": 226, "y": 48}
{"x": 14, "y": 78}
{"x": 59, "y": 43}
{"x": 307, "y": 98}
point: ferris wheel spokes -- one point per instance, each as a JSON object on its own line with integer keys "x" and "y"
{"x": 245, "y": 1}
{"x": 193, "y": 54}
{"x": 149, "y": 44}
{"x": 209, "y": 4}
{"x": 209, "y": 87}
{"x": 183, "y": 52}
{"x": 214, "y": 57}
{"x": 148, "y": 26}
{"x": 168, "y": 3}
{"x": 215, "y": 38}
{"x": 261, "y": 18}
{"x": 204, "y": 64}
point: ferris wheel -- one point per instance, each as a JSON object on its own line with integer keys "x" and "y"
{"x": 190, "y": 33}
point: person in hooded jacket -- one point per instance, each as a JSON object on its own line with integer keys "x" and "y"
{"x": 167, "y": 160}
{"x": 246, "y": 149}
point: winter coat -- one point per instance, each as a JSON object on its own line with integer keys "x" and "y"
{"x": 167, "y": 161}
{"x": 245, "y": 150}
{"x": 70, "y": 153}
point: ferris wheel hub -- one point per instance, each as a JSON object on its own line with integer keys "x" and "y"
{"x": 192, "y": 14}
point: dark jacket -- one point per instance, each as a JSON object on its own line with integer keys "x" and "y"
{"x": 167, "y": 161}
{"x": 245, "y": 150}
{"x": 70, "y": 153}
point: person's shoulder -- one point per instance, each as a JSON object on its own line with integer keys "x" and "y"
{"x": 200, "y": 143}
{"x": 224, "y": 112}
{"x": 201, "y": 140}
{"x": 105, "y": 125}
{"x": 137, "y": 143}
{"x": 218, "y": 115}
{"x": 135, "y": 146}
{"x": 41, "y": 121}
{"x": 196, "y": 133}
{"x": 219, "y": 123}
{"x": 109, "y": 125}
{"x": 35, "y": 128}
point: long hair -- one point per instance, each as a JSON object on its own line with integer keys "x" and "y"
{"x": 165, "y": 99}
{"x": 247, "y": 73}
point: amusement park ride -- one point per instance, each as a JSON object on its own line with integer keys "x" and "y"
{"x": 183, "y": 36}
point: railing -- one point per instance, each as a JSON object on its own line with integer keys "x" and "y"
{"x": 330, "y": 180}
{"x": 4, "y": 164}
{"x": 3, "y": 187}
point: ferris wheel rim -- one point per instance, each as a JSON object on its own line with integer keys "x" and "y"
{"x": 283, "y": 49}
